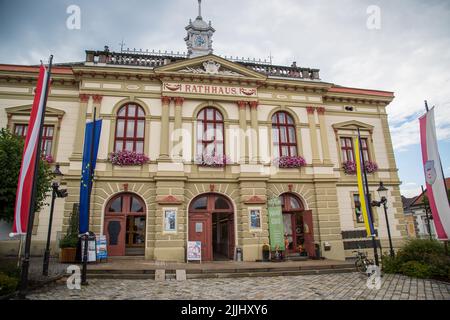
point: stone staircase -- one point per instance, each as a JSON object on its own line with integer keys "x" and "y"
{"x": 274, "y": 271}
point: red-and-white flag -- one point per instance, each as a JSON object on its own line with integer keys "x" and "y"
{"x": 436, "y": 190}
{"x": 30, "y": 152}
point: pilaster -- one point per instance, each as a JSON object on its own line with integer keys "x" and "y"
{"x": 81, "y": 123}
{"x": 313, "y": 135}
{"x": 164, "y": 146}
{"x": 324, "y": 136}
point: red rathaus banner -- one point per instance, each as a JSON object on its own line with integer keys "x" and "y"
{"x": 30, "y": 151}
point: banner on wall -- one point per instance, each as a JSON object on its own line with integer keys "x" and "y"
{"x": 276, "y": 226}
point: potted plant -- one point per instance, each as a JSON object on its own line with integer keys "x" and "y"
{"x": 266, "y": 252}
{"x": 69, "y": 243}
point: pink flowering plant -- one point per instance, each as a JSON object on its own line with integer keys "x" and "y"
{"x": 216, "y": 161}
{"x": 350, "y": 167}
{"x": 371, "y": 166}
{"x": 48, "y": 158}
{"x": 128, "y": 158}
{"x": 290, "y": 162}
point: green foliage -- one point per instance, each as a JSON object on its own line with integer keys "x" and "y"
{"x": 11, "y": 149}
{"x": 416, "y": 269}
{"x": 70, "y": 240}
{"x": 7, "y": 284}
{"x": 420, "y": 258}
{"x": 390, "y": 265}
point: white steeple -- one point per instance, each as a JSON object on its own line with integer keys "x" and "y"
{"x": 199, "y": 35}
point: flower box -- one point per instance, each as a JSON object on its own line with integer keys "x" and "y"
{"x": 128, "y": 158}
{"x": 212, "y": 161}
{"x": 48, "y": 158}
{"x": 350, "y": 167}
{"x": 289, "y": 162}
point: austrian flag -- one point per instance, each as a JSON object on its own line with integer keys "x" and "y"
{"x": 434, "y": 177}
{"x": 30, "y": 153}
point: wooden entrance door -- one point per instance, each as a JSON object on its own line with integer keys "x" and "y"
{"x": 124, "y": 226}
{"x": 115, "y": 235}
{"x": 200, "y": 230}
{"x": 201, "y": 211}
{"x": 293, "y": 218}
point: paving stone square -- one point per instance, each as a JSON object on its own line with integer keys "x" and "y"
{"x": 346, "y": 286}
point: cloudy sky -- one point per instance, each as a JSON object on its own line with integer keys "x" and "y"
{"x": 406, "y": 51}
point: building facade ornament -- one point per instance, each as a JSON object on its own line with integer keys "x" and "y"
{"x": 212, "y": 68}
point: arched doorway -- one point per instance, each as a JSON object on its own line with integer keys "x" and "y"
{"x": 125, "y": 225}
{"x": 298, "y": 227}
{"x": 211, "y": 221}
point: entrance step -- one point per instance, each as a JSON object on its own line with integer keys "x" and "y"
{"x": 224, "y": 273}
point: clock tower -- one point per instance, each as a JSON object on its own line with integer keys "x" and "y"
{"x": 199, "y": 35}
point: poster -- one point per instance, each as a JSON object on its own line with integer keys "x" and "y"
{"x": 276, "y": 225}
{"x": 255, "y": 218}
{"x": 194, "y": 251}
{"x": 102, "y": 251}
{"x": 170, "y": 219}
{"x": 92, "y": 251}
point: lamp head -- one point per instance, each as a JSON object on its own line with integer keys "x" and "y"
{"x": 382, "y": 191}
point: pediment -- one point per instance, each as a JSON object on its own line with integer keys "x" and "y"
{"x": 210, "y": 65}
{"x": 26, "y": 110}
{"x": 352, "y": 125}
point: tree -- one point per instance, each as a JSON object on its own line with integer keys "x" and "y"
{"x": 11, "y": 149}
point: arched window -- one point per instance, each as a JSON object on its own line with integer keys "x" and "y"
{"x": 130, "y": 128}
{"x": 210, "y": 133}
{"x": 283, "y": 135}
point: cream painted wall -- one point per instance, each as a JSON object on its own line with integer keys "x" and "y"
{"x": 379, "y": 144}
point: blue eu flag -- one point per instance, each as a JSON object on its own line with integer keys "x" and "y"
{"x": 91, "y": 143}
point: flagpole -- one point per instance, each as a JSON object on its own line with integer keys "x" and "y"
{"x": 369, "y": 201}
{"x": 26, "y": 260}
{"x": 91, "y": 173}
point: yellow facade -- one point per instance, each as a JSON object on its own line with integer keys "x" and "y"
{"x": 172, "y": 95}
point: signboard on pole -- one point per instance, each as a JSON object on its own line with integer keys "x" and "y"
{"x": 194, "y": 251}
{"x": 276, "y": 226}
{"x": 92, "y": 251}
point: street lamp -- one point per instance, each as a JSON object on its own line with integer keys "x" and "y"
{"x": 56, "y": 193}
{"x": 382, "y": 192}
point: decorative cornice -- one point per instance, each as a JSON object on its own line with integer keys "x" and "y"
{"x": 255, "y": 200}
{"x": 169, "y": 200}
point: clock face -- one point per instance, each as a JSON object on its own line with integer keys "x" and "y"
{"x": 200, "y": 41}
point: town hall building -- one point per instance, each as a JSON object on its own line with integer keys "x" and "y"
{"x": 194, "y": 146}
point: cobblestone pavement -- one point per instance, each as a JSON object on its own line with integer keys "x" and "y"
{"x": 313, "y": 287}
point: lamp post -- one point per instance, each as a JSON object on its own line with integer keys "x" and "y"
{"x": 56, "y": 193}
{"x": 382, "y": 192}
